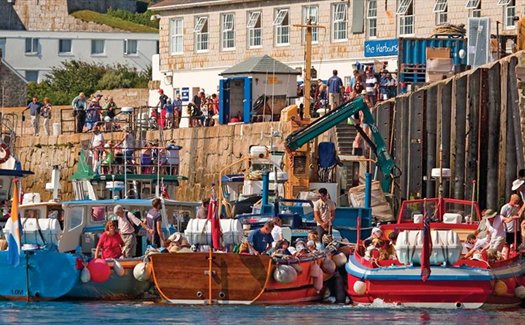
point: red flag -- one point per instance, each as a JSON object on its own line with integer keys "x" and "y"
{"x": 427, "y": 249}
{"x": 213, "y": 216}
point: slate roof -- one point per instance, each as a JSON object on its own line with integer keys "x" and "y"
{"x": 260, "y": 64}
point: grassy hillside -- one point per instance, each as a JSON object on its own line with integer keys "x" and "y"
{"x": 104, "y": 19}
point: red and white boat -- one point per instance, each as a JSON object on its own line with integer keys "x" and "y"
{"x": 430, "y": 269}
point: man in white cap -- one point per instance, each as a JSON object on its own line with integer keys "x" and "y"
{"x": 126, "y": 220}
{"x": 495, "y": 230}
{"x": 518, "y": 186}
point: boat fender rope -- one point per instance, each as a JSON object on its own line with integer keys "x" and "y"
{"x": 268, "y": 275}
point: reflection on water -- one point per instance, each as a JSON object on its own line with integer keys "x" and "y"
{"x": 140, "y": 313}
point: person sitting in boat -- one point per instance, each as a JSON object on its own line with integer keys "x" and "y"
{"x": 261, "y": 239}
{"x": 310, "y": 245}
{"x": 110, "y": 243}
{"x": 495, "y": 230}
{"x": 314, "y": 236}
{"x": 300, "y": 248}
{"x": 377, "y": 233}
{"x": 202, "y": 212}
{"x": 154, "y": 222}
{"x": 375, "y": 250}
{"x": 177, "y": 243}
{"x": 126, "y": 222}
{"x": 277, "y": 231}
{"x": 391, "y": 246}
{"x": 475, "y": 247}
{"x": 281, "y": 249}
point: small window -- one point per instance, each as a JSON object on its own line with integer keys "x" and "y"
{"x": 282, "y": 14}
{"x": 176, "y": 36}
{"x": 403, "y": 7}
{"x": 371, "y": 18}
{"x": 503, "y": 2}
{"x": 311, "y": 13}
{"x": 472, "y": 4}
{"x": 254, "y": 27}
{"x": 509, "y": 12}
{"x": 228, "y": 31}
{"x": 32, "y": 45}
{"x": 32, "y": 75}
{"x": 75, "y": 217}
{"x": 201, "y": 33}
{"x": 131, "y": 47}
{"x": 64, "y": 46}
{"x": 440, "y": 6}
{"x": 97, "y": 47}
{"x": 339, "y": 22}
{"x": 282, "y": 27}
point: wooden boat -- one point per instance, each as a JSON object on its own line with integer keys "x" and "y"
{"x": 454, "y": 281}
{"x": 185, "y": 278}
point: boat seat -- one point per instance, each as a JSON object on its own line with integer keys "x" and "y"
{"x": 452, "y": 218}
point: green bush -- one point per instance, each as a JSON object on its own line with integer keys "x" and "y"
{"x": 63, "y": 83}
{"x": 142, "y": 18}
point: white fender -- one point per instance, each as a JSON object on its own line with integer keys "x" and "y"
{"x": 359, "y": 287}
{"x": 285, "y": 274}
{"x": 117, "y": 267}
{"x": 85, "y": 276}
{"x": 140, "y": 272}
{"x": 520, "y": 292}
{"x": 317, "y": 274}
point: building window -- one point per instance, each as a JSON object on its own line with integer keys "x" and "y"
{"x": 282, "y": 27}
{"x": 97, "y": 46}
{"x": 176, "y": 37}
{"x": 339, "y": 22}
{"x": 32, "y": 75}
{"x": 509, "y": 11}
{"x": 64, "y": 46}
{"x": 131, "y": 47}
{"x": 32, "y": 45}
{"x": 441, "y": 11}
{"x": 254, "y": 26}
{"x": 405, "y": 18}
{"x": 312, "y": 13}
{"x": 474, "y": 8}
{"x": 201, "y": 34}
{"x": 228, "y": 31}
{"x": 371, "y": 18}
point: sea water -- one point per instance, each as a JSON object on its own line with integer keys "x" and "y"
{"x": 77, "y": 313}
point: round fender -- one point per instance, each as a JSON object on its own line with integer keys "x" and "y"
{"x": 520, "y": 292}
{"x": 328, "y": 266}
{"x": 5, "y": 152}
{"x": 85, "y": 276}
{"x": 284, "y": 274}
{"x": 317, "y": 274}
{"x": 118, "y": 269}
{"x": 500, "y": 288}
{"x": 99, "y": 270}
{"x": 359, "y": 287}
{"x": 339, "y": 259}
{"x": 141, "y": 272}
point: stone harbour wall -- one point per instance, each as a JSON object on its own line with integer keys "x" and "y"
{"x": 205, "y": 152}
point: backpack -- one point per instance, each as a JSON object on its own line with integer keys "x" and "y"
{"x": 136, "y": 228}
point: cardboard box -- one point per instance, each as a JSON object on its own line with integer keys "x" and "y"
{"x": 439, "y": 69}
{"x": 438, "y": 52}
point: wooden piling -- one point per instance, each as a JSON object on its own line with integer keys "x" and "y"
{"x": 431, "y": 139}
{"x": 460, "y": 126}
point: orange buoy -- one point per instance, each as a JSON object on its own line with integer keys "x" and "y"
{"x": 99, "y": 270}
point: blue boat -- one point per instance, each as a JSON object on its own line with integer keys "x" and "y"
{"x": 42, "y": 274}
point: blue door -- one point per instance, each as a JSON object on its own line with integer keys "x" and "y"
{"x": 224, "y": 101}
{"x": 247, "y": 103}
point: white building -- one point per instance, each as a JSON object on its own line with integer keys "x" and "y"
{"x": 34, "y": 53}
{"x": 200, "y": 39}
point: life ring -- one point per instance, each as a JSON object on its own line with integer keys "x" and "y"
{"x": 6, "y": 153}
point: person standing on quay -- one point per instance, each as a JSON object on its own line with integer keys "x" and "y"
{"x": 34, "y": 110}
{"x": 79, "y": 104}
{"x": 335, "y": 86}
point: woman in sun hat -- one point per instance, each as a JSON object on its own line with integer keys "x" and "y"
{"x": 495, "y": 229}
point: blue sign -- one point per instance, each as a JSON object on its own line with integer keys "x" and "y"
{"x": 185, "y": 94}
{"x": 384, "y": 47}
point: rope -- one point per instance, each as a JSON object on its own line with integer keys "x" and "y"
{"x": 268, "y": 274}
